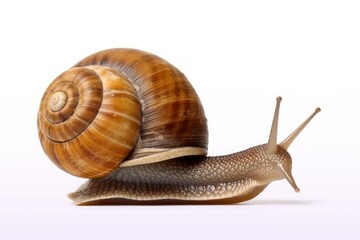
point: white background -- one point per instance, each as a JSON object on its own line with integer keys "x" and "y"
{"x": 239, "y": 55}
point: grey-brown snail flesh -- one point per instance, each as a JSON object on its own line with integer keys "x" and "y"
{"x": 225, "y": 179}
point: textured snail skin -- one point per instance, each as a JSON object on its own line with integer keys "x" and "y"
{"x": 226, "y": 179}
{"x": 204, "y": 180}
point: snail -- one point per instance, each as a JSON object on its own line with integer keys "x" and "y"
{"x": 133, "y": 124}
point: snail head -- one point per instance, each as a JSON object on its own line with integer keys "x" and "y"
{"x": 278, "y": 152}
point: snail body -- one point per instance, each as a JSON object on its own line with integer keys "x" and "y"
{"x": 134, "y": 125}
{"x": 224, "y": 179}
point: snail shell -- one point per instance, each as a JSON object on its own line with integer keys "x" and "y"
{"x": 120, "y": 106}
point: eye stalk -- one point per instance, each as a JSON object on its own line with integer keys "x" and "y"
{"x": 272, "y": 146}
{"x": 272, "y": 143}
{"x": 287, "y": 141}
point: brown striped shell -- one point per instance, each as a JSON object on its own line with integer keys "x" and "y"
{"x": 120, "y": 107}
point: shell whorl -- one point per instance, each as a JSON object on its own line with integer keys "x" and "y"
{"x": 173, "y": 119}
{"x": 84, "y": 109}
{"x": 120, "y": 105}
{"x": 57, "y": 101}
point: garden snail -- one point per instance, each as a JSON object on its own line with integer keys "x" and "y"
{"x": 134, "y": 125}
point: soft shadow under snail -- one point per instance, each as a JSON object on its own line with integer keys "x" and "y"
{"x": 134, "y": 125}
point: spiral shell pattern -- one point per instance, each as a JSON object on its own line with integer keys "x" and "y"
{"x": 173, "y": 119}
{"x": 89, "y": 120}
{"x": 120, "y": 107}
